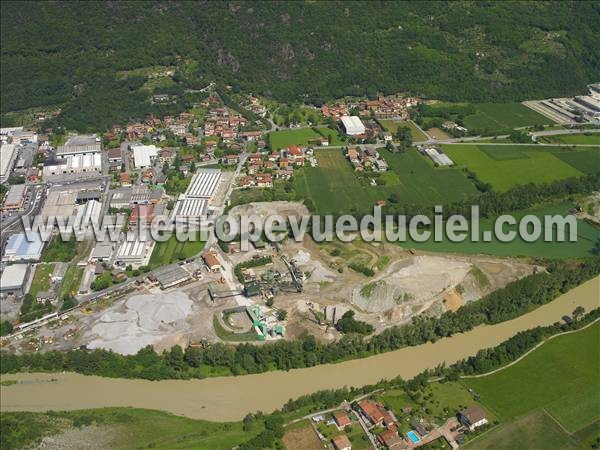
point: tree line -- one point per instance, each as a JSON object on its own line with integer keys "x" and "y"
{"x": 513, "y": 300}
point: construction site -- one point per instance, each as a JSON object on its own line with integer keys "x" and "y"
{"x": 277, "y": 291}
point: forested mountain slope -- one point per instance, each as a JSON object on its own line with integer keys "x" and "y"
{"x": 75, "y": 54}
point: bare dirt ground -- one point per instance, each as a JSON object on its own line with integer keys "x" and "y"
{"x": 403, "y": 286}
{"x": 302, "y": 439}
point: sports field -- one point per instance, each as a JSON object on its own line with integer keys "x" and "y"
{"x": 505, "y": 166}
{"x": 494, "y": 117}
{"x": 575, "y": 139}
{"x": 285, "y": 138}
{"x": 335, "y": 188}
{"x": 393, "y": 125}
{"x": 587, "y": 238}
{"x": 172, "y": 251}
{"x": 560, "y": 377}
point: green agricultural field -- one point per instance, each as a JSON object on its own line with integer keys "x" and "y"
{"x": 575, "y": 139}
{"x": 588, "y": 237}
{"x": 172, "y": 250}
{"x": 495, "y": 117}
{"x": 536, "y": 430}
{"x": 505, "y": 166}
{"x": 125, "y": 428}
{"x": 561, "y": 377}
{"x": 302, "y": 136}
{"x": 393, "y": 125}
{"x": 333, "y": 186}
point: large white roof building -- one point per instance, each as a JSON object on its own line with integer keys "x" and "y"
{"x": 8, "y": 154}
{"x": 204, "y": 183}
{"x": 352, "y": 125}
{"x": 144, "y": 155}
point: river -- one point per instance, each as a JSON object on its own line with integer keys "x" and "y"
{"x": 231, "y": 398}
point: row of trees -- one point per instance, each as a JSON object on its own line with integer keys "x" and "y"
{"x": 504, "y": 304}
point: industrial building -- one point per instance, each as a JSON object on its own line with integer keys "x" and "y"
{"x": 15, "y": 197}
{"x": 59, "y": 203}
{"x": 87, "y": 214}
{"x": 169, "y": 276}
{"x": 144, "y": 155}
{"x": 204, "y": 183}
{"x": 135, "y": 252}
{"x": 18, "y": 248}
{"x": 193, "y": 205}
{"x": 8, "y": 155}
{"x": 14, "y": 280}
{"x": 79, "y": 145}
{"x": 136, "y": 195}
{"x": 74, "y": 164}
{"x": 102, "y": 252}
{"x": 352, "y": 125}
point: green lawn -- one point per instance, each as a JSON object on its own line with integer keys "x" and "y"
{"x": 172, "y": 250}
{"x": 393, "y": 125}
{"x": 302, "y": 136}
{"x": 129, "y": 428}
{"x": 581, "y": 139}
{"x": 41, "y": 280}
{"x": 495, "y": 117}
{"x": 587, "y": 238}
{"x": 335, "y": 188}
{"x": 505, "y": 166}
{"x": 561, "y": 376}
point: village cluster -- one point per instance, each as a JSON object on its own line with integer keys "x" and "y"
{"x": 384, "y": 429}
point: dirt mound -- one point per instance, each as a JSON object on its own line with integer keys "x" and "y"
{"x": 414, "y": 281}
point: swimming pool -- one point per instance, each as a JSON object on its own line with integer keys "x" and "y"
{"x": 413, "y": 437}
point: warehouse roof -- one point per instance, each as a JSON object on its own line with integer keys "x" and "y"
{"x": 352, "y": 125}
{"x": 144, "y": 154}
{"x": 204, "y": 184}
{"x": 13, "y": 277}
{"x": 18, "y": 247}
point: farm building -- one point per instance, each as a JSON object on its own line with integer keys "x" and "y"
{"x": 439, "y": 158}
{"x": 352, "y": 125}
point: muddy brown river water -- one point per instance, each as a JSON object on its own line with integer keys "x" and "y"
{"x": 231, "y": 398}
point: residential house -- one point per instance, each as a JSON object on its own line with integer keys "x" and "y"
{"x": 264, "y": 180}
{"x": 342, "y": 442}
{"x": 341, "y": 419}
{"x": 472, "y": 417}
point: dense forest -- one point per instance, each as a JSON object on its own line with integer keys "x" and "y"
{"x": 90, "y": 58}
{"x": 504, "y": 304}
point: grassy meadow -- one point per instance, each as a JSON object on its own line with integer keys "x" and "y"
{"x": 561, "y": 377}
{"x": 505, "y": 166}
{"x": 574, "y": 139}
{"x": 588, "y": 237}
{"x": 335, "y": 188}
{"x": 393, "y": 125}
{"x": 302, "y": 136}
{"x": 502, "y": 116}
{"x": 172, "y": 250}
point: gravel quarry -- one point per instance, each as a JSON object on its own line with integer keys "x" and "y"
{"x": 140, "y": 321}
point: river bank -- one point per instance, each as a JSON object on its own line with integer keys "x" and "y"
{"x": 230, "y": 399}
